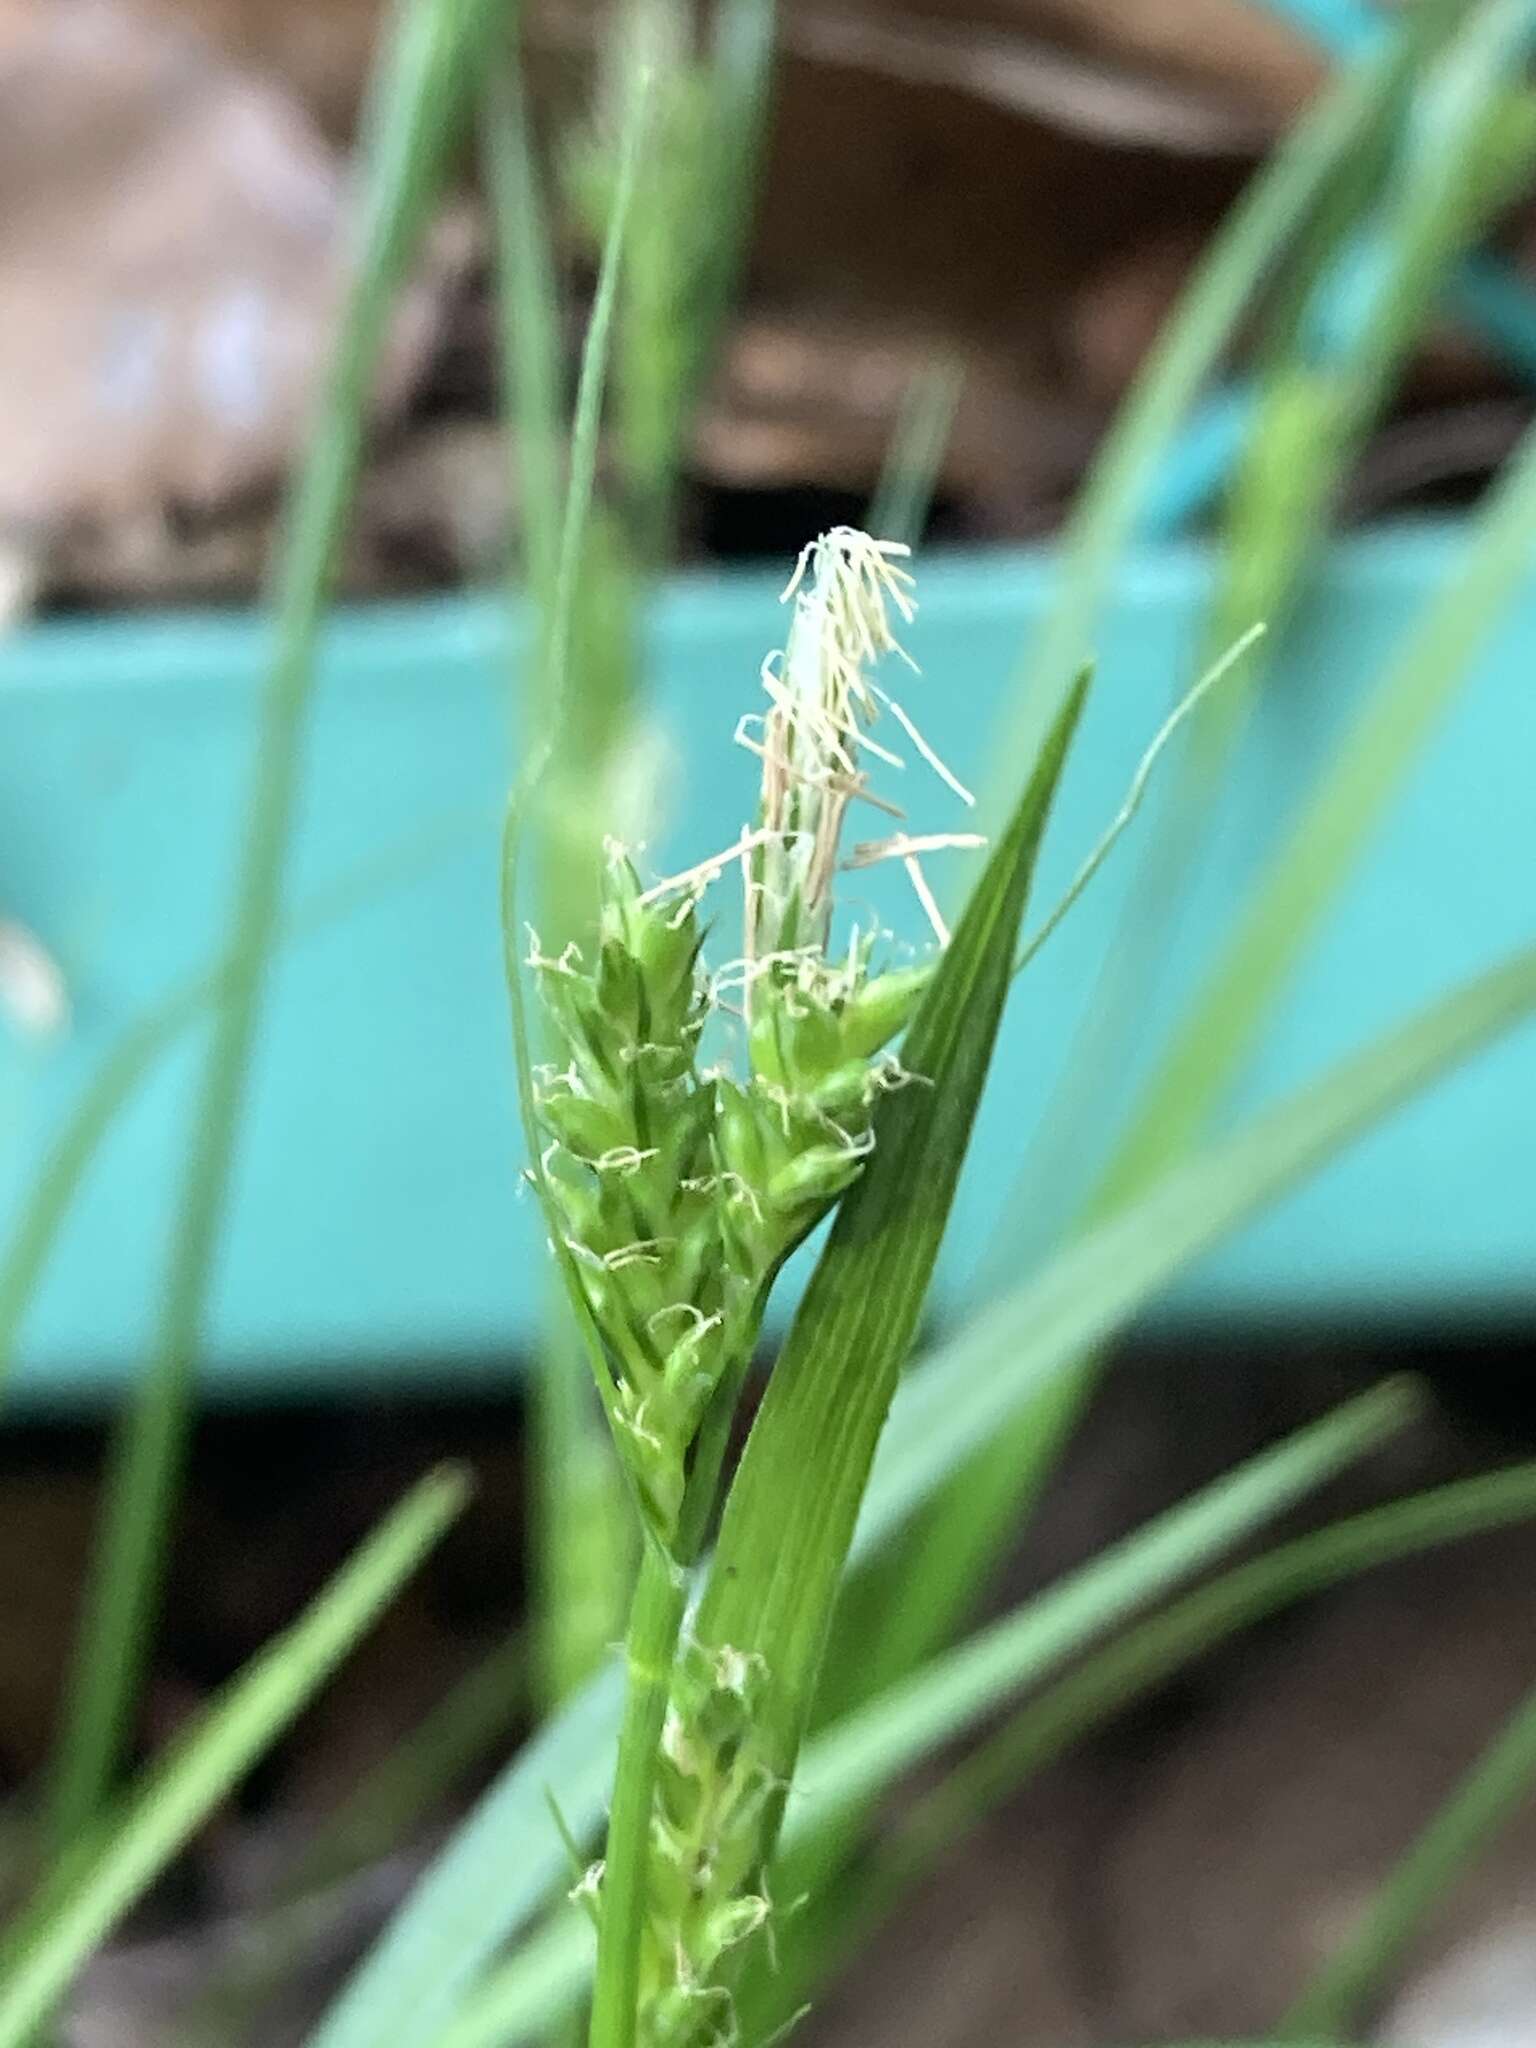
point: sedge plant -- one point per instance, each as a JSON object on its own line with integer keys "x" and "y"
{"x": 709, "y": 1102}
{"x": 675, "y": 1191}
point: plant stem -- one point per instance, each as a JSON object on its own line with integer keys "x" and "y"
{"x": 655, "y": 1620}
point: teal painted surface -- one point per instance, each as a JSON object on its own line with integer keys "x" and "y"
{"x": 378, "y": 1234}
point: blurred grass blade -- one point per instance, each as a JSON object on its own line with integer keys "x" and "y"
{"x": 984, "y": 1376}
{"x": 49, "y": 1944}
{"x": 791, "y": 1509}
{"x": 1135, "y": 1664}
{"x": 529, "y": 1993}
{"x": 1488, "y": 1799}
{"x": 914, "y": 461}
{"x": 387, "y": 1809}
{"x": 867, "y": 1750}
{"x": 410, "y": 119}
{"x": 547, "y": 1973}
{"x": 1186, "y": 707}
{"x": 132, "y": 1058}
{"x": 392, "y": 1801}
{"x": 1275, "y": 203}
{"x": 580, "y": 1561}
{"x": 507, "y": 1858}
{"x": 1225, "y": 1020}
{"x": 1368, "y": 770}
{"x": 742, "y": 37}
{"x": 1237, "y": 1600}
{"x": 529, "y": 323}
{"x": 501, "y": 1866}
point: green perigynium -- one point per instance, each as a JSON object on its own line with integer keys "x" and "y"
{"x": 676, "y": 1189}
{"x": 710, "y": 1794}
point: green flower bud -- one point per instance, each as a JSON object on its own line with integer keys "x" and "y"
{"x": 875, "y": 1013}
{"x": 621, "y": 994}
{"x": 584, "y": 1126}
{"x": 814, "y": 1178}
{"x": 845, "y": 1091}
{"x": 736, "y": 1920}
{"x": 739, "y": 1138}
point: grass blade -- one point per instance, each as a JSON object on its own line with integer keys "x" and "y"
{"x": 790, "y": 1513}
{"x": 547, "y": 1973}
{"x": 1330, "y": 836}
{"x": 411, "y": 116}
{"x": 580, "y": 1560}
{"x": 43, "y": 1952}
{"x": 1139, "y": 1661}
{"x": 485, "y": 1887}
{"x": 507, "y": 1858}
{"x": 1275, "y": 203}
{"x": 1222, "y": 1025}
{"x": 133, "y": 1057}
{"x": 1033, "y": 1336}
{"x": 873, "y": 1745}
{"x": 501, "y": 1866}
{"x": 914, "y": 460}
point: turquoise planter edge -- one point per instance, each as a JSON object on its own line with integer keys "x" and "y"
{"x": 378, "y": 1238}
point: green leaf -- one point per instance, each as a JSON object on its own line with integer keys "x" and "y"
{"x": 506, "y": 1858}
{"x": 532, "y": 1991}
{"x": 1145, "y": 1656}
{"x": 580, "y": 1553}
{"x": 1226, "y": 1017}
{"x": 409, "y": 130}
{"x": 870, "y": 1747}
{"x": 914, "y": 460}
{"x": 501, "y": 1866}
{"x": 790, "y": 1513}
{"x": 1276, "y": 202}
{"x": 481, "y": 1890}
{"x": 1094, "y": 1285}
{"x": 516, "y": 2001}
{"x": 85, "y": 1901}
{"x": 1338, "y": 822}
{"x": 143, "y": 1042}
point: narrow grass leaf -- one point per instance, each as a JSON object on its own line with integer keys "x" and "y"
{"x": 1225, "y": 1020}
{"x": 45, "y": 1949}
{"x": 408, "y": 132}
{"x": 579, "y": 1555}
{"x": 1323, "y": 847}
{"x": 1240, "y": 256}
{"x": 1186, "y": 707}
{"x": 868, "y": 1749}
{"x": 142, "y": 1044}
{"x": 1029, "y": 1338}
{"x": 791, "y": 1510}
{"x": 546, "y": 1975}
{"x": 480, "y": 1890}
{"x": 914, "y": 461}
{"x": 1142, "y": 1659}
{"x": 501, "y": 1866}
{"x": 506, "y": 1858}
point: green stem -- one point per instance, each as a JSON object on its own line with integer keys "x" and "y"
{"x": 655, "y": 1620}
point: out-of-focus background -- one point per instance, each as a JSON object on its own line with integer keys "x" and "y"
{"x": 1016, "y": 191}
{"x": 1024, "y": 187}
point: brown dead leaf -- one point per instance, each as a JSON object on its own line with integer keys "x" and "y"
{"x": 172, "y": 249}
